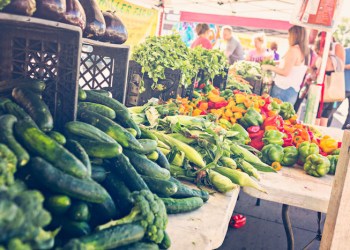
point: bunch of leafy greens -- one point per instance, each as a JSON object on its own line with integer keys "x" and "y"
{"x": 158, "y": 53}
{"x": 248, "y": 69}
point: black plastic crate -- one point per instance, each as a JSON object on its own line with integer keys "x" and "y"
{"x": 220, "y": 81}
{"x": 257, "y": 85}
{"x": 171, "y": 83}
{"x": 104, "y": 66}
{"x": 45, "y": 50}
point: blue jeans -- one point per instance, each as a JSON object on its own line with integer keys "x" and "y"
{"x": 286, "y": 95}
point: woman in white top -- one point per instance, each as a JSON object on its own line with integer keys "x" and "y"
{"x": 291, "y": 70}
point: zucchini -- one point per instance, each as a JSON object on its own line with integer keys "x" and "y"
{"x": 79, "y": 211}
{"x": 58, "y": 204}
{"x": 97, "y": 108}
{"x": 162, "y": 161}
{"x": 139, "y": 246}
{"x": 146, "y": 167}
{"x": 37, "y": 86}
{"x": 81, "y": 94}
{"x": 160, "y": 187}
{"x": 7, "y": 137}
{"x": 76, "y": 149}
{"x": 57, "y": 136}
{"x": 87, "y": 131}
{"x": 35, "y": 107}
{"x": 166, "y": 242}
{"x": 114, "y": 130}
{"x": 114, "y": 237}
{"x": 104, "y": 150}
{"x": 14, "y": 109}
{"x": 148, "y": 146}
{"x": 119, "y": 192}
{"x": 176, "y": 206}
{"x": 147, "y": 134}
{"x": 60, "y": 182}
{"x": 39, "y": 143}
{"x": 74, "y": 229}
{"x": 98, "y": 173}
{"x": 184, "y": 191}
{"x": 153, "y": 156}
{"x": 121, "y": 166}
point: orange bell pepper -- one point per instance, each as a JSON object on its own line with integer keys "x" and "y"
{"x": 248, "y": 103}
{"x": 203, "y": 106}
{"x": 328, "y": 144}
{"x": 228, "y": 113}
{"x": 235, "y": 109}
{"x": 196, "y": 112}
{"x": 233, "y": 120}
{"x": 276, "y": 166}
{"x": 215, "y": 98}
{"x": 271, "y": 128}
{"x": 215, "y": 91}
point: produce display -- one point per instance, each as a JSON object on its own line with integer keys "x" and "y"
{"x": 86, "y": 14}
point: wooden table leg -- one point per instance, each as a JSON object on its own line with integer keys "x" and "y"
{"x": 288, "y": 226}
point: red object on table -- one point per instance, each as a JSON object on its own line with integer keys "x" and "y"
{"x": 238, "y": 221}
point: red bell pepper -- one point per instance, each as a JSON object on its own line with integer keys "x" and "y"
{"x": 323, "y": 153}
{"x": 211, "y": 105}
{"x": 238, "y": 221}
{"x": 257, "y": 143}
{"x": 276, "y": 121}
{"x": 268, "y": 100}
{"x": 339, "y": 144}
{"x": 259, "y": 134}
{"x": 202, "y": 86}
{"x": 253, "y": 129}
{"x": 218, "y": 105}
{"x": 204, "y": 112}
{"x": 267, "y": 107}
{"x": 288, "y": 141}
{"x": 236, "y": 91}
{"x": 311, "y": 135}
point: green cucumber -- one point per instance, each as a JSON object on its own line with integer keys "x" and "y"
{"x": 148, "y": 146}
{"x": 58, "y": 204}
{"x": 97, "y": 108}
{"x": 105, "y": 211}
{"x": 146, "y": 167}
{"x": 39, "y": 143}
{"x": 139, "y": 246}
{"x": 129, "y": 123}
{"x": 153, "y": 156}
{"x": 147, "y": 134}
{"x": 166, "y": 242}
{"x": 78, "y": 150}
{"x": 98, "y": 173}
{"x": 37, "y": 86}
{"x": 184, "y": 191}
{"x": 160, "y": 187}
{"x": 114, "y": 237}
{"x": 114, "y": 130}
{"x": 102, "y": 92}
{"x": 104, "y": 150}
{"x": 35, "y": 107}
{"x": 121, "y": 166}
{"x": 132, "y": 131}
{"x": 79, "y": 211}
{"x": 86, "y": 131}
{"x": 60, "y": 182}
{"x": 97, "y": 161}
{"x": 14, "y": 109}
{"x": 3, "y": 101}
{"x": 74, "y": 229}
{"x": 176, "y": 206}
{"x": 119, "y": 192}
{"x": 57, "y": 136}
{"x": 7, "y": 137}
{"x": 81, "y": 94}
{"x": 162, "y": 161}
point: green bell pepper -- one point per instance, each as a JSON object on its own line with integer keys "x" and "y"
{"x": 275, "y": 107}
{"x": 290, "y": 156}
{"x": 317, "y": 165}
{"x": 336, "y": 152}
{"x": 287, "y": 110}
{"x": 306, "y": 148}
{"x": 273, "y": 137}
{"x": 333, "y": 159}
{"x": 243, "y": 135}
{"x": 272, "y": 153}
{"x": 251, "y": 118}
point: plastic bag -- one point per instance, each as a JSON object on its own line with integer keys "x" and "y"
{"x": 115, "y": 30}
{"x": 75, "y": 14}
{"x": 95, "y": 23}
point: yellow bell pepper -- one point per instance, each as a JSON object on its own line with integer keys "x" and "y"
{"x": 240, "y": 98}
{"x": 238, "y": 115}
{"x": 328, "y": 144}
{"x": 196, "y": 112}
{"x": 215, "y": 98}
{"x": 233, "y": 120}
{"x": 228, "y": 113}
{"x": 230, "y": 104}
{"x": 217, "y": 112}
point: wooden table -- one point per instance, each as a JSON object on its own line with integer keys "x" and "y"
{"x": 293, "y": 187}
{"x": 205, "y": 228}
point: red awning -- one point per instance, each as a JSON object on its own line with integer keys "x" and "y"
{"x": 235, "y": 21}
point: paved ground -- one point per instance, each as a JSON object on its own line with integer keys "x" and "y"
{"x": 264, "y": 228}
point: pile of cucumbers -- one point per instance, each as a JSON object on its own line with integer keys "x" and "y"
{"x": 88, "y": 170}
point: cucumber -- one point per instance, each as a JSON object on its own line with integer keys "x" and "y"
{"x": 184, "y": 191}
{"x": 76, "y": 149}
{"x": 7, "y": 137}
{"x": 148, "y": 146}
{"x": 162, "y": 145}
{"x": 160, "y": 187}
{"x": 114, "y": 237}
{"x": 121, "y": 166}
{"x": 3, "y": 101}
{"x": 37, "y": 86}
{"x": 162, "y": 161}
{"x": 129, "y": 123}
{"x": 60, "y": 182}
{"x": 97, "y": 161}
{"x": 153, "y": 156}
{"x": 105, "y": 211}
{"x": 58, "y": 204}
{"x": 86, "y": 131}
{"x": 114, "y": 130}
{"x": 14, "y": 109}
{"x": 139, "y": 246}
{"x": 176, "y": 206}
{"x": 132, "y": 131}
{"x": 166, "y": 242}
{"x": 81, "y": 94}
{"x": 35, "y": 107}
{"x": 57, "y": 136}
{"x": 98, "y": 173}
{"x": 119, "y": 192}
{"x": 97, "y": 108}
{"x": 79, "y": 211}
{"x": 104, "y": 150}
{"x": 147, "y": 134}
{"x": 146, "y": 167}
{"x": 102, "y": 92}
{"x": 39, "y": 143}
{"x": 74, "y": 229}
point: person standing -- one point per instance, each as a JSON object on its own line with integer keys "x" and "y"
{"x": 260, "y": 53}
{"x": 231, "y": 46}
{"x": 203, "y": 33}
{"x": 274, "y": 48}
{"x": 347, "y": 84}
{"x": 291, "y": 70}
